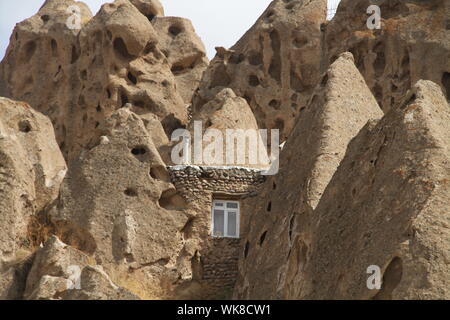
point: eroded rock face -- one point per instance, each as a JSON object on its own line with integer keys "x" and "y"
{"x": 338, "y": 109}
{"x": 387, "y": 205}
{"x": 412, "y": 44}
{"x": 274, "y": 66}
{"x": 31, "y": 171}
{"x": 112, "y": 59}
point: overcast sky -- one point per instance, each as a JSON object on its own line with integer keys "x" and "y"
{"x": 218, "y": 22}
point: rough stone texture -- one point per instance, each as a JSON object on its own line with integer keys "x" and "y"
{"x": 387, "y": 205}
{"x": 31, "y": 171}
{"x": 412, "y": 44}
{"x": 229, "y": 112}
{"x": 338, "y": 109}
{"x": 114, "y": 59}
{"x": 274, "y": 66}
{"x": 185, "y": 53}
{"x": 212, "y": 262}
{"x": 96, "y": 285}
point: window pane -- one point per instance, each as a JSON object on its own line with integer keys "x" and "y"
{"x": 219, "y": 222}
{"x": 232, "y": 227}
{"x": 232, "y": 205}
{"x": 218, "y": 204}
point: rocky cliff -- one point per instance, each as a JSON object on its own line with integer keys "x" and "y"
{"x": 91, "y": 206}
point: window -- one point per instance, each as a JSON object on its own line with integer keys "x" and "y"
{"x": 225, "y": 219}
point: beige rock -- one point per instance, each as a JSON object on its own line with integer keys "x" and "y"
{"x": 387, "y": 205}
{"x": 339, "y": 108}
{"x": 96, "y": 285}
{"x": 274, "y": 66}
{"x": 185, "y": 53}
{"x": 413, "y": 43}
{"x": 31, "y": 171}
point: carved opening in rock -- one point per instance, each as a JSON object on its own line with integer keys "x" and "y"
{"x": 274, "y": 186}
{"x": 45, "y": 18}
{"x": 108, "y": 93}
{"x": 269, "y": 206}
{"x": 175, "y": 30}
{"x": 24, "y": 126}
{"x": 379, "y": 64}
{"x": 120, "y": 48}
{"x": 123, "y": 99}
{"x": 131, "y": 77}
{"x": 246, "y": 249}
{"x": 299, "y": 42}
{"x": 220, "y": 77}
{"x": 170, "y": 124}
{"x": 446, "y": 83}
{"x": 262, "y": 238}
{"x": 237, "y": 58}
{"x": 171, "y": 200}
{"x": 131, "y": 192}
{"x": 99, "y": 108}
{"x": 255, "y": 59}
{"x": 29, "y": 49}
{"x": 139, "y": 150}
{"x": 177, "y": 69}
{"x": 391, "y": 279}
{"x": 75, "y": 55}
{"x": 276, "y": 104}
{"x": 253, "y": 80}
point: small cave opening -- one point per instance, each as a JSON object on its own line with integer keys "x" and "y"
{"x": 139, "y": 150}
{"x": 120, "y": 48}
{"x": 269, "y": 206}
{"x": 131, "y": 192}
{"x": 446, "y": 83}
{"x": 131, "y": 77}
{"x": 246, "y": 249}
{"x": 253, "y": 80}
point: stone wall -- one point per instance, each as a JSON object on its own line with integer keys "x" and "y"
{"x": 217, "y": 257}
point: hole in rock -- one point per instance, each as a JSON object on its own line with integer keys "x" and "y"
{"x": 269, "y": 206}
{"x": 262, "y": 238}
{"x": 391, "y": 279}
{"x": 132, "y": 78}
{"x": 253, "y": 81}
{"x": 276, "y": 104}
{"x": 24, "y": 126}
{"x": 139, "y": 150}
{"x": 246, "y": 249}
{"x": 120, "y": 49}
{"x": 29, "y": 50}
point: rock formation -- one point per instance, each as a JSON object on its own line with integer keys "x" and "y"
{"x": 364, "y": 177}
{"x": 339, "y": 108}
{"x": 413, "y": 43}
{"x": 274, "y": 66}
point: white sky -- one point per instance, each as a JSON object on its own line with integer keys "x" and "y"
{"x": 217, "y": 22}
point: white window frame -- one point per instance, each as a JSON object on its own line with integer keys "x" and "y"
{"x": 225, "y": 223}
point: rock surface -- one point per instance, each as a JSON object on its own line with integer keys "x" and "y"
{"x": 31, "y": 171}
{"x": 274, "y": 66}
{"x": 388, "y": 206}
{"x": 339, "y": 108}
{"x": 114, "y": 58}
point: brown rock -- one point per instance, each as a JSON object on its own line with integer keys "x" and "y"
{"x": 185, "y": 53}
{"x": 31, "y": 171}
{"x": 274, "y": 66}
{"x": 339, "y": 108}
{"x": 412, "y": 44}
{"x": 387, "y": 205}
